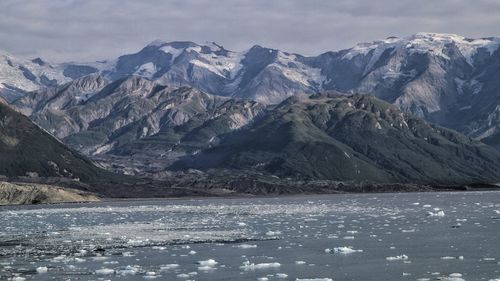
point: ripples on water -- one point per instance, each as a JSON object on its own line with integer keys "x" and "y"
{"x": 418, "y": 236}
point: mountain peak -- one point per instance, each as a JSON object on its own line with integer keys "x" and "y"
{"x": 157, "y": 43}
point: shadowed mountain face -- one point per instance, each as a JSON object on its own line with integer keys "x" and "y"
{"x": 26, "y": 148}
{"x": 354, "y": 137}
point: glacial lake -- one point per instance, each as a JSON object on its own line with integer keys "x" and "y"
{"x": 409, "y": 236}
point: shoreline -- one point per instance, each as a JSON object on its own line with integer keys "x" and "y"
{"x": 246, "y": 196}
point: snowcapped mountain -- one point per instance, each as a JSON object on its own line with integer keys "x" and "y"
{"x": 262, "y": 74}
{"x": 18, "y": 75}
{"x": 426, "y": 74}
{"x": 446, "y": 79}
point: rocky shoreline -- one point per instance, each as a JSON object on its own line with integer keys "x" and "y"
{"x": 31, "y": 193}
{"x": 198, "y": 184}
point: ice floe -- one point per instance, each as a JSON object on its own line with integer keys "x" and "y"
{"x": 439, "y": 213}
{"x": 105, "y": 271}
{"x": 343, "y": 250}
{"x": 42, "y": 269}
{"x": 253, "y": 266}
{"x": 397, "y": 258}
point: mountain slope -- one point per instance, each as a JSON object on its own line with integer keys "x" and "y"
{"x": 357, "y": 137}
{"x": 25, "y": 148}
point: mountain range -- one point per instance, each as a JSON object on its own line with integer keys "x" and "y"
{"x": 182, "y": 105}
{"x": 443, "y": 78}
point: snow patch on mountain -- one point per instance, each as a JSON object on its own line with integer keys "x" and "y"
{"x": 423, "y": 43}
{"x": 173, "y": 51}
{"x": 296, "y": 71}
{"x": 146, "y": 70}
{"x": 27, "y": 75}
{"x": 365, "y": 48}
{"x": 436, "y": 43}
{"x": 224, "y": 66}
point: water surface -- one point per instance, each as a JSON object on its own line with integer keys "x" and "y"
{"x": 411, "y": 236}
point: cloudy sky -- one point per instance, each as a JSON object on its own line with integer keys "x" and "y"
{"x": 84, "y": 30}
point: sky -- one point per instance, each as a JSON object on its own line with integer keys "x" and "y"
{"x": 89, "y": 30}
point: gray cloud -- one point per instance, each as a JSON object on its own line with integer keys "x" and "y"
{"x": 85, "y": 30}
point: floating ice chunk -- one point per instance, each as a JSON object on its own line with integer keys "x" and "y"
{"x": 105, "y": 271}
{"x": 18, "y": 278}
{"x": 439, "y": 213}
{"x": 206, "y": 268}
{"x": 262, "y": 279}
{"x": 448, "y": 258}
{"x": 343, "y": 250}
{"x": 281, "y": 275}
{"x": 300, "y": 262}
{"x": 314, "y": 279}
{"x": 187, "y": 275}
{"x": 252, "y": 266}
{"x": 452, "y": 258}
{"x": 59, "y": 258}
{"x": 128, "y": 270}
{"x": 273, "y": 233}
{"x": 348, "y": 237}
{"x": 42, "y": 269}
{"x": 426, "y": 206}
{"x": 169, "y": 266}
{"x": 192, "y": 252}
{"x": 246, "y": 246}
{"x": 209, "y": 262}
{"x": 397, "y": 258}
{"x": 453, "y": 277}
